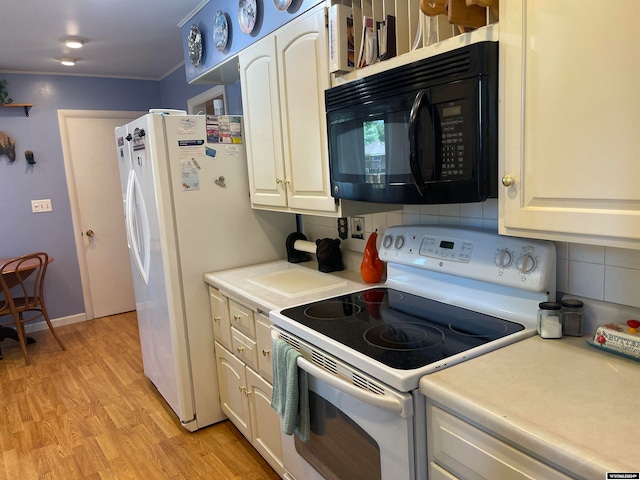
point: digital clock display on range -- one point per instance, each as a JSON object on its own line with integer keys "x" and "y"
{"x": 446, "y": 244}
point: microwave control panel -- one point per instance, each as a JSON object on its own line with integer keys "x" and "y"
{"x": 453, "y": 141}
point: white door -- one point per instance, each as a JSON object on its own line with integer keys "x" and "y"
{"x": 96, "y": 200}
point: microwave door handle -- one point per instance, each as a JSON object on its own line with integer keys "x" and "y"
{"x": 416, "y": 173}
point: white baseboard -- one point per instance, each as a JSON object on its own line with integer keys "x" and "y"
{"x": 56, "y": 322}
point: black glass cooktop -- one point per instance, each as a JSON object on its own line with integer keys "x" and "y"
{"x": 401, "y": 330}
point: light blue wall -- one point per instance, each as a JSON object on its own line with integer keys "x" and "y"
{"x": 22, "y": 231}
{"x": 268, "y": 19}
{"x": 175, "y": 91}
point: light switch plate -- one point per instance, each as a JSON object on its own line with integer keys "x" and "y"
{"x": 357, "y": 227}
{"x": 40, "y": 206}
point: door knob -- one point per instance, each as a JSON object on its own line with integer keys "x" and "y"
{"x": 90, "y": 233}
{"x": 507, "y": 180}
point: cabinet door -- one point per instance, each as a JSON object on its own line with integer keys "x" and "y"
{"x": 233, "y": 389}
{"x": 265, "y": 423}
{"x": 571, "y": 121}
{"x": 220, "y": 317}
{"x": 303, "y": 71}
{"x": 259, "y": 80}
{"x": 263, "y": 337}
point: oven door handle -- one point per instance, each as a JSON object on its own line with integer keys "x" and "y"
{"x": 386, "y": 403}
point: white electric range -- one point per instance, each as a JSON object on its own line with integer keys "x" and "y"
{"x": 451, "y": 294}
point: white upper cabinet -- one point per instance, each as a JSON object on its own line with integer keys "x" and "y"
{"x": 303, "y": 69}
{"x": 570, "y": 117}
{"x": 283, "y": 78}
{"x": 261, "y": 107}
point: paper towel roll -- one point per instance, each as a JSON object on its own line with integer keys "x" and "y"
{"x": 305, "y": 246}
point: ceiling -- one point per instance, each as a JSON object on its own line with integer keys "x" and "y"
{"x": 125, "y": 39}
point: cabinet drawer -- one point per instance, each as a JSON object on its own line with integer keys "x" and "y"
{"x": 244, "y": 348}
{"x": 242, "y": 318}
{"x": 470, "y": 453}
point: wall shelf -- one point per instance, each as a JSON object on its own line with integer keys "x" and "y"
{"x": 26, "y": 106}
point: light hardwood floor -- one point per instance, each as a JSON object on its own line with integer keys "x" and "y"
{"x": 89, "y": 413}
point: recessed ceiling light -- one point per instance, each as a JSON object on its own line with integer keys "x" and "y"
{"x": 74, "y": 43}
{"x": 69, "y": 62}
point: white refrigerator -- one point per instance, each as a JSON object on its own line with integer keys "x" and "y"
{"x": 187, "y": 211}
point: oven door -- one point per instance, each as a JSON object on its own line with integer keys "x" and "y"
{"x": 355, "y": 433}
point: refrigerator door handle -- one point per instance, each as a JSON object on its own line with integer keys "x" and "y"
{"x": 138, "y": 226}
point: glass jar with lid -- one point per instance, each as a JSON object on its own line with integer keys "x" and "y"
{"x": 572, "y": 318}
{"x": 549, "y": 320}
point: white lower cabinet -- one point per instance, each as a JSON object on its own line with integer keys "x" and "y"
{"x": 244, "y": 376}
{"x": 265, "y": 423}
{"x": 233, "y": 386}
{"x": 460, "y": 450}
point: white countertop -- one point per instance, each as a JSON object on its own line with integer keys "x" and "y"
{"x": 247, "y": 284}
{"x": 561, "y": 400}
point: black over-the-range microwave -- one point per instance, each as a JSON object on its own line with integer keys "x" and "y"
{"x": 421, "y": 133}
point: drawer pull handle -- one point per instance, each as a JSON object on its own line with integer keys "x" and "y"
{"x": 217, "y": 319}
{"x": 247, "y": 393}
{"x": 240, "y": 349}
{"x": 265, "y": 352}
{"x": 242, "y": 389}
{"x": 237, "y": 317}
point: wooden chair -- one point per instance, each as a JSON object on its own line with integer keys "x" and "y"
{"x": 24, "y": 275}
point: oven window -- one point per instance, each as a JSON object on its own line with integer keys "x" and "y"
{"x": 338, "y": 448}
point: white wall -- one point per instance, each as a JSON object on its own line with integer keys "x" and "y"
{"x": 601, "y": 273}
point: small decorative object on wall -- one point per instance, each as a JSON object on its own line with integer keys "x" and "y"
{"x": 194, "y": 41}
{"x": 29, "y": 156}
{"x": 7, "y": 146}
{"x": 282, "y": 5}
{"x": 247, "y": 12}
{"x": 4, "y": 95}
{"x": 220, "y": 30}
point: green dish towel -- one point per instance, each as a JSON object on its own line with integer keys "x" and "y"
{"x": 290, "y": 396}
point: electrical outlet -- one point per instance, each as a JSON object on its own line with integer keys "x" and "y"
{"x": 357, "y": 227}
{"x": 40, "y": 206}
{"x": 343, "y": 228}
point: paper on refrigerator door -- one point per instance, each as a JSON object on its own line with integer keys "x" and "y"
{"x": 191, "y": 148}
{"x": 230, "y": 129}
{"x": 187, "y": 125}
{"x": 190, "y": 175}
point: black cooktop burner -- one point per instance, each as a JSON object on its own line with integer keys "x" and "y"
{"x": 408, "y": 336}
{"x": 399, "y": 329}
{"x": 332, "y": 310}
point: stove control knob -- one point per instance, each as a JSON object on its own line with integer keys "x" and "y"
{"x": 504, "y": 258}
{"x": 399, "y": 242}
{"x": 527, "y": 263}
{"x": 387, "y": 241}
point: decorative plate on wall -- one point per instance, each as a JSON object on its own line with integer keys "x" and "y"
{"x": 247, "y": 10}
{"x": 194, "y": 41}
{"x": 282, "y": 5}
{"x": 220, "y": 30}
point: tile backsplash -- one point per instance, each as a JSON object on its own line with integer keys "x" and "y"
{"x": 600, "y": 273}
